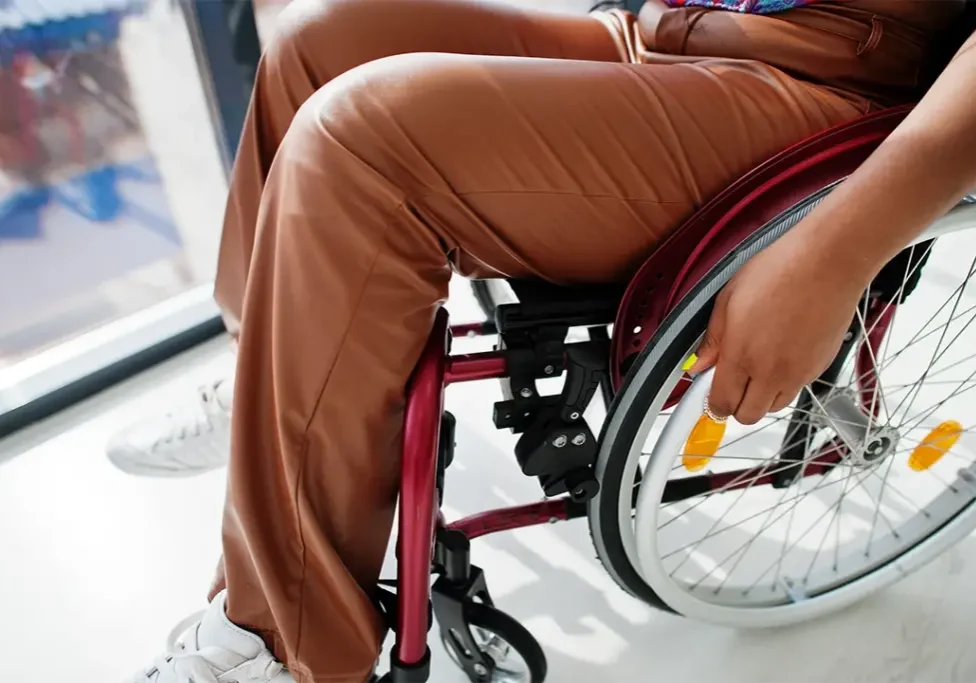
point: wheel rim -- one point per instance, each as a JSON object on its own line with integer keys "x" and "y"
{"x": 926, "y": 374}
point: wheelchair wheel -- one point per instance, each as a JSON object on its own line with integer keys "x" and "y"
{"x": 868, "y": 476}
{"x": 490, "y": 294}
{"x": 517, "y": 656}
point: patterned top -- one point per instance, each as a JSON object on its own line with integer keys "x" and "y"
{"x": 746, "y": 6}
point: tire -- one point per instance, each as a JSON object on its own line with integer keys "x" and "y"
{"x": 493, "y": 621}
{"x": 638, "y": 403}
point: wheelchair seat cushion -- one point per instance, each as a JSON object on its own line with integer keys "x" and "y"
{"x": 540, "y": 291}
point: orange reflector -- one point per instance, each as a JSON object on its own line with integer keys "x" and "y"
{"x": 937, "y": 443}
{"x": 702, "y": 443}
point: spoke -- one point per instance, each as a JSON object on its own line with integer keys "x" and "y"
{"x": 786, "y": 542}
{"x": 803, "y": 535}
{"x": 718, "y": 521}
{"x": 935, "y": 360}
{"x": 821, "y": 485}
{"x": 908, "y": 500}
{"x": 738, "y": 481}
{"x": 877, "y": 510}
{"x": 885, "y": 363}
{"x": 822, "y": 540}
{"x": 736, "y": 440}
{"x": 917, "y": 337}
{"x": 928, "y": 413}
{"x": 949, "y": 486}
{"x": 960, "y": 290}
{"x": 757, "y": 472}
{"x": 748, "y": 458}
{"x": 745, "y": 547}
{"x": 876, "y": 393}
{"x": 818, "y": 418}
{"x": 765, "y": 525}
{"x": 894, "y": 388}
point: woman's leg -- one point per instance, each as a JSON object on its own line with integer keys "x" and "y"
{"x": 387, "y": 177}
{"x": 318, "y": 40}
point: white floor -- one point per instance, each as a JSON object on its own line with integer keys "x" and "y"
{"x": 96, "y": 566}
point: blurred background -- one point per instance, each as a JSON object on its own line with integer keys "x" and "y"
{"x": 118, "y": 119}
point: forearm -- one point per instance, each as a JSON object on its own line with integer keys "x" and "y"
{"x": 913, "y": 178}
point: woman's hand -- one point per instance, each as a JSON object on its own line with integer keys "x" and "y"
{"x": 775, "y": 327}
{"x": 781, "y": 319}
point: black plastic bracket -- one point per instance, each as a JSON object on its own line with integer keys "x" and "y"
{"x": 446, "y": 446}
{"x": 558, "y": 445}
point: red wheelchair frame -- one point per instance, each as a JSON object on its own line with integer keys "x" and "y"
{"x": 426, "y": 542}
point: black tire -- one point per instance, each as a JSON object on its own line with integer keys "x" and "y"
{"x": 666, "y": 351}
{"x": 492, "y": 620}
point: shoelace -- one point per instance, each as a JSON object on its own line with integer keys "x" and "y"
{"x": 200, "y": 422}
{"x": 183, "y": 668}
{"x": 192, "y": 667}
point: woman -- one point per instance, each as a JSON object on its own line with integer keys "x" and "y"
{"x": 364, "y": 181}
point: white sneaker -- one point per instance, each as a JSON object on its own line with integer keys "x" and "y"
{"x": 183, "y": 443}
{"x": 214, "y": 650}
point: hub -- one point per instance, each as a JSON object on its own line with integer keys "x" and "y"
{"x": 868, "y": 443}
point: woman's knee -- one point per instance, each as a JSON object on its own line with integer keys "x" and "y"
{"x": 394, "y": 113}
{"x": 322, "y": 39}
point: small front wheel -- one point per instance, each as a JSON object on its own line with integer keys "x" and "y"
{"x": 509, "y": 653}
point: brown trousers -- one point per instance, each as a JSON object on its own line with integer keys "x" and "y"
{"x": 392, "y": 142}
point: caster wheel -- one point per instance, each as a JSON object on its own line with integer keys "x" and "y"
{"x": 512, "y": 652}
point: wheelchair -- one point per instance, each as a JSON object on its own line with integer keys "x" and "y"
{"x": 872, "y": 434}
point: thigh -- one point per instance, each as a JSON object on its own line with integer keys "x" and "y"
{"x": 568, "y": 171}
{"x": 319, "y": 40}
{"x": 338, "y": 35}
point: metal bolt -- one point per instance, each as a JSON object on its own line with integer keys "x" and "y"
{"x": 525, "y": 393}
{"x": 848, "y": 336}
{"x": 579, "y": 439}
{"x": 559, "y": 441}
{"x": 480, "y": 669}
{"x": 574, "y": 416}
{"x": 549, "y": 369}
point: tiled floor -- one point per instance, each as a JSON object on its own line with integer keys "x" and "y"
{"x": 95, "y": 567}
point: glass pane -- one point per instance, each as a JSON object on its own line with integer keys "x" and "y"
{"x": 111, "y": 181}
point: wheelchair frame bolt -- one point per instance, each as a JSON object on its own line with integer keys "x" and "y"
{"x": 560, "y": 441}
{"x": 480, "y": 669}
{"x": 549, "y": 369}
{"x": 579, "y": 439}
{"x": 525, "y": 393}
{"x": 574, "y": 416}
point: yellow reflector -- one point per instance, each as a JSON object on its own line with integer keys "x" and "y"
{"x": 938, "y": 442}
{"x": 690, "y": 363}
{"x": 702, "y": 443}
